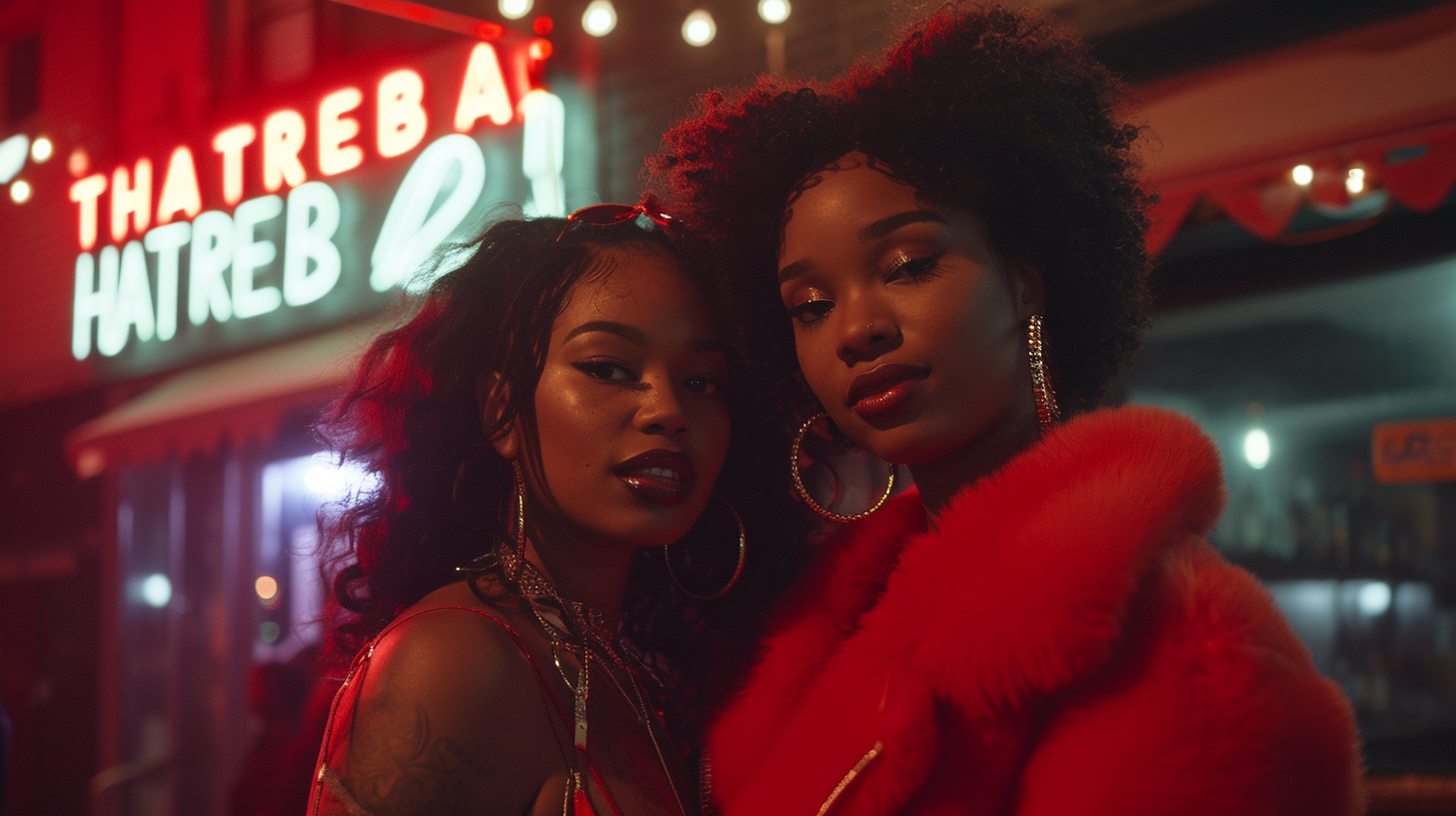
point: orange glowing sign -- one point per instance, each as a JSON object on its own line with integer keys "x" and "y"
{"x": 1409, "y": 452}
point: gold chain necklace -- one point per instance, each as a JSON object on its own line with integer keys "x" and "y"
{"x": 567, "y": 623}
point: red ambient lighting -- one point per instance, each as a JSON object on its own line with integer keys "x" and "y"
{"x": 402, "y": 124}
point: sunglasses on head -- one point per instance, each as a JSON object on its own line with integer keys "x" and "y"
{"x": 610, "y": 215}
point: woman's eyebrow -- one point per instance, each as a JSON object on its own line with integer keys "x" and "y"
{"x": 631, "y": 334}
{"x": 638, "y": 337}
{"x": 887, "y": 225}
{"x": 794, "y": 270}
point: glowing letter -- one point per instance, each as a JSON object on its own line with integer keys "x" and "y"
{"x": 401, "y": 116}
{"x": 128, "y": 199}
{"x": 408, "y": 237}
{"x": 334, "y": 128}
{"x": 166, "y": 242}
{"x": 230, "y": 144}
{"x": 106, "y": 337}
{"x": 91, "y": 304}
{"x": 133, "y": 302}
{"x": 180, "y": 192}
{"x": 283, "y": 134}
{"x": 543, "y": 150}
{"x": 85, "y": 192}
{"x": 249, "y": 253}
{"x": 212, "y": 251}
{"x": 483, "y": 92}
{"x": 310, "y": 236}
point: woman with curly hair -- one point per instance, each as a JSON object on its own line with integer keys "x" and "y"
{"x": 538, "y": 588}
{"x": 941, "y": 258}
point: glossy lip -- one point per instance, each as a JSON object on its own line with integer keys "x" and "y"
{"x": 665, "y": 488}
{"x": 878, "y": 393}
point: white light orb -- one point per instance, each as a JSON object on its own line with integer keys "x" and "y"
{"x": 773, "y": 12}
{"x": 20, "y": 191}
{"x": 699, "y": 29}
{"x": 324, "y": 480}
{"x": 599, "y": 18}
{"x": 267, "y": 587}
{"x": 1256, "y": 448}
{"x": 1302, "y": 174}
{"x": 156, "y": 590}
{"x": 41, "y": 149}
{"x": 514, "y": 9}
{"x": 1355, "y": 181}
{"x": 1374, "y": 598}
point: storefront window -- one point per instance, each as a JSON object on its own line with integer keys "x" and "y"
{"x": 1295, "y": 388}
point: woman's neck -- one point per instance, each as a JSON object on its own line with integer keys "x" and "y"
{"x": 939, "y": 480}
{"x": 594, "y": 573}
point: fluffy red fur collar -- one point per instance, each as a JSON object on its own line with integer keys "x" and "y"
{"x": 1021, "y": 589}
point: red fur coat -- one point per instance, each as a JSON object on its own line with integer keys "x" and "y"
{"x": 1064, "y": 642}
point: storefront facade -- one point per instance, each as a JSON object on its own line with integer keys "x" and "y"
{"x": 225, "y": 201}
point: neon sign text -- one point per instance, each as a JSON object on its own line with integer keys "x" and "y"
{"x": 281, "y": 249}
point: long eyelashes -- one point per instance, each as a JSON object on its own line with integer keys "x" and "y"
{"x": 617, "y": 373}
{"x": 811, "y": 311}
{"x": 903, "y": 269}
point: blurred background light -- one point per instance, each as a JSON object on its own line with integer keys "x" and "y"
{"x": 41, "y": 149}
{"x": 1302, "y": 174}
{"x": 1374, "y": 598}
{"x": 1256, "y": 448}
{"x": 20, "y": 191}
{"x": 773, "y": 11}
{"x": 1355, "y": 181}
{"x": 267, "y": 587}
{"x": 157, "y": 590}
{"x": 599, "y": 18}
{"x": 78, "y": 162}
{"x": 699, "y": 29}
{"x": 514, "y": 9}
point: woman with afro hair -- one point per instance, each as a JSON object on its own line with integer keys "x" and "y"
{"x": 940, "y": 259}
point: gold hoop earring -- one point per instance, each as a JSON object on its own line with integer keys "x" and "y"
{"x": 520, "y": 479}
{"x": 737, "y": 570}
{"x": 804, "y": 493}
{"x": 1048, "y": 413}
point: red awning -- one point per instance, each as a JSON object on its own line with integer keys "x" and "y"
{"x": 241, "y": 400}
{"x": 1380, "y": 100}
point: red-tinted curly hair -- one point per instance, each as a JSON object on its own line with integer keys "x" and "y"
{"x": 979, "y": 108}
{"x": 412, "y": 417}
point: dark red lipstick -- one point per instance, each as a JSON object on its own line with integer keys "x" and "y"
{"x": 658, "y": 476}
{"x": 877, "y": 394}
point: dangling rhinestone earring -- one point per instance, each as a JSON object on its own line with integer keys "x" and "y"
{"x": 520, "y": 479}
{"x": 1048, "y": 413}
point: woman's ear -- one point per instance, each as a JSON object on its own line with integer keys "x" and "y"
{"x": 1028, "y": 285}
{"x": 492, "y": 393}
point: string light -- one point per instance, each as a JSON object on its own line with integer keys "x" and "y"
{"x": 1355, "y": 181}
{"x": 514, "y": 9}
{"x": 699, "y": 29}
{"x": 41, "y": 149}
{"x": 599, "y": 18}
{"x": 20, "y": 191}
{"x": 773, "y": 12}
{"x": 1302, "y": 174}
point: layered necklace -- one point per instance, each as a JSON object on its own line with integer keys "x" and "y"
{"x": 580, "y": 635}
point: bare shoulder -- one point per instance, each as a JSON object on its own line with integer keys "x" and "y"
{"x": 451, "y": 718}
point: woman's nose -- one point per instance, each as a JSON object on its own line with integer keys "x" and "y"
{"x": 865, "y": 333}
{"x": 661, "y": 411}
